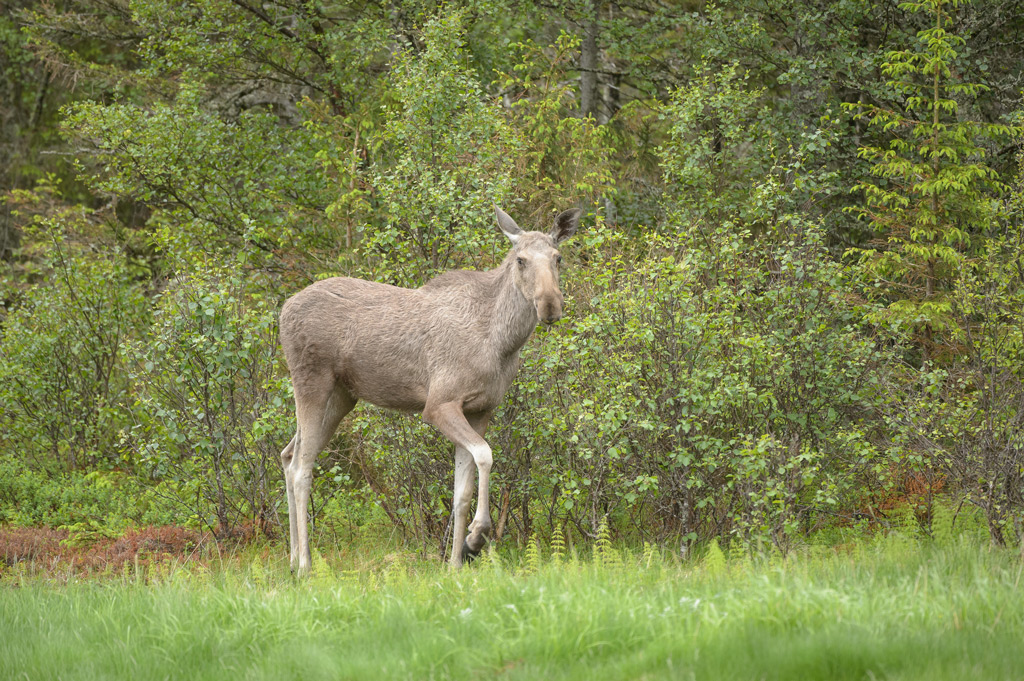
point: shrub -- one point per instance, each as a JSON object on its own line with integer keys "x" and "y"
{"x": 225, "y": 188}
{"x": 211, "y": 408}
{"x": 445, "y": 160}
{"x": 563, "y": 159}
{"x": 92, "y": 503}
{"x": 682, "y": 404}
{"x": 62, "y": 384}
{"x": 409, "y": 467}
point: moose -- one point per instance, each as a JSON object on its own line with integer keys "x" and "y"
{"x": 448, "y": 350}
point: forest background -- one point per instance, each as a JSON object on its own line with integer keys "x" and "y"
{"x": 794, "y": 310}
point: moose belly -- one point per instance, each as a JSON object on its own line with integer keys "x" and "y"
{"x": 389, "y": 383}
{"x": 479, "y": 391}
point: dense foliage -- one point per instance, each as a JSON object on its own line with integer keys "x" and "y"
{"x": 795, "y": 305}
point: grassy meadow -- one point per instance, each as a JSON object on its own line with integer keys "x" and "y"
{"x": 893, "y": 608}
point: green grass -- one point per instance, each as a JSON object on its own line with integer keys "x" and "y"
{"x": 894, "y": 610}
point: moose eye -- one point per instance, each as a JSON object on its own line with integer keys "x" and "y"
{"x": 522, "y": 263}
{"x": 559, "y": 260}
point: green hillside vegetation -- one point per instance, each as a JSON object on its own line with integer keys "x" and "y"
{"x": 794, "y": 309}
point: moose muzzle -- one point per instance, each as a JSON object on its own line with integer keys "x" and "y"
{"x": 549, "y": 308}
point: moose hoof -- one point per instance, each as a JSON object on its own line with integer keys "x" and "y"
{"x": 468, "y": 554}
{"x": 472, "y": 546}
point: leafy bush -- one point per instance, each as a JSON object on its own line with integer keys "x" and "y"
{"x": 719, "y": 144}
{"x": 61, "y": 381}
{"x": 961, "y": 423}
{"x": 445, "y": 160}
{"x": 239, "y": 189}
{"x": 86, "y": 503}
{"x": 211, "y": 407}
{"x": 711, "y": 380}
{"x": 408, "y": 466}
{"x": 701, "y": 395}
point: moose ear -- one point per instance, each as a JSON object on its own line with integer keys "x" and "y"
{"x": 566, "y": 224}
{"x": 507, "y": 225}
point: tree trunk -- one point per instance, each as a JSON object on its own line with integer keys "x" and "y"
{"x": 588, "y": 62}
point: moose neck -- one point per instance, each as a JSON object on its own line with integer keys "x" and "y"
{"x": 515, "y": 317}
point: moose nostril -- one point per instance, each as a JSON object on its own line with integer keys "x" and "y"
{"x": 548, "y": 311}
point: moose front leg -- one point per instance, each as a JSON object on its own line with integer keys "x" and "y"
{"x": 463, "y": 495}
{"x": 470, "y": 449}
{"x": 480, "y": 528}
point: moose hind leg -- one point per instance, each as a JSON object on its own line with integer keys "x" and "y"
{"x": 318, "y": 414}
{"x": 287, "y": 454}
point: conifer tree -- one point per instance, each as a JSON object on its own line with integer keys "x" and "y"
{"x": 933, "y": 196}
